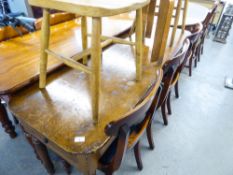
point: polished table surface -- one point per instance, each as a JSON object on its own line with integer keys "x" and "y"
{"x": 64, "y": 106}
{"x": 62, "y": 111}
{"x": 196, "y": 13}
{"x": 19, "y": 58}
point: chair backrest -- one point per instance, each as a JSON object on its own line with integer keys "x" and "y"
{"x": 55, "y": 18}
{"x": 195, "y": 30}
{"x": 208, "y": 18}
{"x": 171, "y": 70}
{"x": 132, "y": 121}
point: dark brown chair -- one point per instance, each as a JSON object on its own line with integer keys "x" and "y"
{"x": 205, "y": 30}
{"x": 124, "y": 134}
{"x": 128, "y": 131}
{"x": 195, "y": 39}
{"x": 172, "y": 69}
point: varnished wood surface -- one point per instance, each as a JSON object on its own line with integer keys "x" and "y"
{"x": 19, "y": 56}
{"x": 92, "y": 8}
{"x": 62, "y": 111}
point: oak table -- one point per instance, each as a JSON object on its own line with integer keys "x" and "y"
{"x": 20, "y": 56}
{"x": 60, "y": 116}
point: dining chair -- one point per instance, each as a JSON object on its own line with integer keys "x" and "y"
{"x": 172, "y": 69}
{"x": 206, "y": 24}
{"x": 128, "y": 132}
{"x": 124, "y": 134}
{"x": 195, "y": 40}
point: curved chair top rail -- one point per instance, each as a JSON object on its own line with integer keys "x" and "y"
{"x": 195, "y": 31}
{"x": 138, "y": 114}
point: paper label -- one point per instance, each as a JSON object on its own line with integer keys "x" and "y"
{"x": 79, "y": 139}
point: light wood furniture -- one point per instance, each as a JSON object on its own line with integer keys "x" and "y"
{"x": 96, "y": 10}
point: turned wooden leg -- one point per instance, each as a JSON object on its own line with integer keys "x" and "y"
{"x": 29, "y": 139}
{"x": 150, "y": 136}
{"x": 137, "y": 155}
{"x": 199, "y": 54}
{"x": 202, "y": 49}
{"x": 139, "y": 44}
{"x": 96, "y": 52}
{"x": 66, "y": 166}
{"x": 163, "y": 108}
{"x": 169, "y": 104}
{"x": 6, "y": 123}
{"x": 177, "y": 89}
{"x": 43, "y": 155}
{"x": 16, "y": 121}
{"x": 195, "y": 62}
{"x": 190, "y": 66}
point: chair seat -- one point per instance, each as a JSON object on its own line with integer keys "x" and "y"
{"x": 92, "y": 8}
{"x": 133, "y": 138}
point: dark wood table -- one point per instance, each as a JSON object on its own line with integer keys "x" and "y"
{"x": 19, "y": 58}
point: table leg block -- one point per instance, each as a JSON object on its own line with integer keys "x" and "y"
{"x": 5, "y": 121}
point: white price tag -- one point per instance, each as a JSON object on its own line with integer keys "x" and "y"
{"x": 79, "y": 139}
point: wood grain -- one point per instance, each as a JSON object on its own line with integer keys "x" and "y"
{"x": 20, "y": 56}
